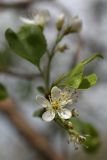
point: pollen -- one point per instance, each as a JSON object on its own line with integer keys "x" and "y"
{"x": 55, "y": 105}
{"x": 64, "y": 96}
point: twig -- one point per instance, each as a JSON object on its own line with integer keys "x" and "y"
{"x": 20, "y": 75}
{"x": 58, "y": 39}
{"x": 15, "y": 4}
{"x": 36, "y": 140}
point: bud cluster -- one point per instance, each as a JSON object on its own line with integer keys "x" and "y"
{"x": 75, "y": 137}
{"x": 73, "y": 26}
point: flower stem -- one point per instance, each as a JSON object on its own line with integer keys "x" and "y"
{"x": 58, "y": 39}
{"x": 42, "y": 74}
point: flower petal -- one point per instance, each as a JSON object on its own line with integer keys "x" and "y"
{"x": 55, "y": 93}
{"x": 48, "y": 115}
{"x": 42, "y": 101}
{"x": 65, "y": 113}
{"x": 70, "y": 101}
{"x": 39, "y": 20}
{"x": 27, "y": 21}
{"x": 46, "y": 15}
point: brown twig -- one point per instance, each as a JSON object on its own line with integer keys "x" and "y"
{"x": 36, "y": 140}
{"x": 17, "y": 4}
{"x": 20, "y": 75}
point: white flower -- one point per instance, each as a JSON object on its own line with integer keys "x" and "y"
{"x": 40, "y": 18}
{"x": 56, "y": 103}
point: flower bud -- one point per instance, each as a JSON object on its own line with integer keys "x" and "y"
{"x": 81, "y": 139}
{"x": 69, "y": 125}
{"x": 73, "y": 27}
{"x": 76, "y": 24}
{"x": 74, "y": 113}
{"x": 60, "y": 22}
{"x": 62, "y": 48}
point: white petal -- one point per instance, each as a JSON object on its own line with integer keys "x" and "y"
{"x": 65, "y": 113}
{"x": 39, "y": 20}
{"x": 27, "y": 21}
{"x": 63, "y": 103}
{"x": 46, "y": 15}
{"x": 70, "y": 101}
{"x": 48, "y": 115}
{"x": 61, "y": 18}
{"x": 42, "y": 101}
{"x": 55, "y": 93}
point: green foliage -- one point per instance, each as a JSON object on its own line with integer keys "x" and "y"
{"x": 29, "y": 43}
{"x": 92, "y": 142}
{"x": 76, "y": 78}
{"x": 88, "y": 81}
{"x": 5, "y": 58}
{"x": 41, "y": 89}
{"x": 3, "y": 92}
{"x": 38, "y": 113}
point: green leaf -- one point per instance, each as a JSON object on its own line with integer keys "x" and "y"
{"x": 88, "y": 60}
{"x": 5, "y": 58}
{"x": 76, "y": 79}
{"x": 92, "y": 142}
{"x": 88, "y": 81}
{"x": 41, "y": 89}
{"x": 39, "y": 112}
{"x": 3, "y": 92}
{"x": 29, "y": 43}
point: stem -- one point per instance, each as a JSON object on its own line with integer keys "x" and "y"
{"x": 58, "y": 121}
{"x": 25, "y": 76}
{"x": 58, "y": 39}
{"x": 42, "y": 74}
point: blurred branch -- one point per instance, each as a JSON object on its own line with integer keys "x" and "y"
{"x": 16, "y": 4}
{"x": 36, "y": 140}
{"x": 20, "y": 75}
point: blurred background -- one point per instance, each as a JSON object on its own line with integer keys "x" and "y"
{"x": 18, "y": 76}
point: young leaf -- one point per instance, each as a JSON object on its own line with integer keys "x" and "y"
{"x": 88, "y": 81}
{"x": 39, "y": 112}
{"x": 75, "y": 78}
{"x": 3, "y": 92}
{"x": 74, "y": 81}
{"x": 88, "y": 60}
{"x": 29, "y": 43}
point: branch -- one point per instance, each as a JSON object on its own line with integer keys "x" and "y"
{"x": 17, "y": 4}
{"x": 20, "y": 75}
{"x": 36, "y": 140}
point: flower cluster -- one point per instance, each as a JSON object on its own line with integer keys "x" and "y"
{"x": 40, "y": 18}
{"x": 56, "y": 104}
